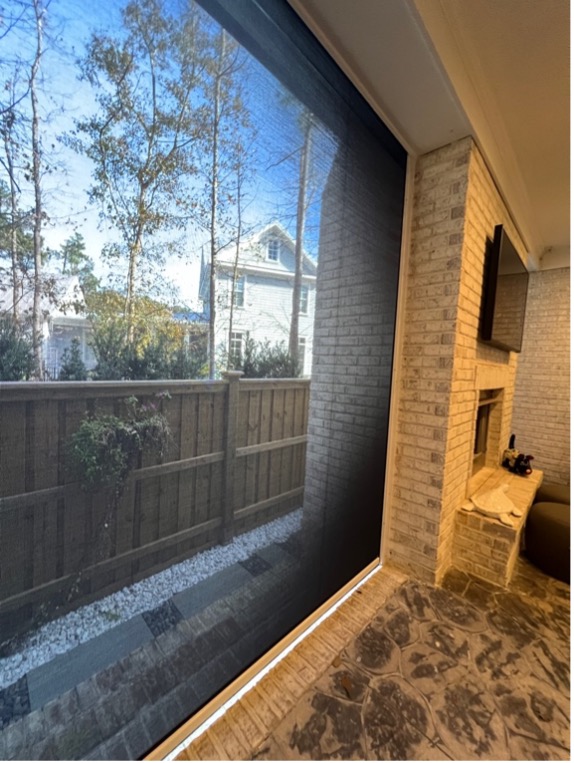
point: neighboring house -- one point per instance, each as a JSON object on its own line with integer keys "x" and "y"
{"x": 63, "y": 319}
{"x": 262, "y": 294}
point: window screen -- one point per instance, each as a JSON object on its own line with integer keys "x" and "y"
{"x": 184, "y": 477}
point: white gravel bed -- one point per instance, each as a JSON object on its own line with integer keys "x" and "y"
{"x": 89, "y": 621}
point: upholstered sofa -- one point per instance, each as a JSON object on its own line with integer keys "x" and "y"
{"x": 547, "y": 532}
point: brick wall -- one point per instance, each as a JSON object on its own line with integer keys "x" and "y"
{"x": 541, "y": 417}
{"x": 456, "y": 207}
{"x": 357, "y": 280}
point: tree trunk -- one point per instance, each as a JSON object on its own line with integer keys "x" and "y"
{"x": 131, "y": 286}
{"x": 214, "y": 203}
{"x": 15, "y": 264}
{"x": 36, "y": 176}
{"x": 235, "y": 270}
{"x": 301, "y": 210}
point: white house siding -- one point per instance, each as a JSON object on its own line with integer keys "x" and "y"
{"x": 266, "y": 312}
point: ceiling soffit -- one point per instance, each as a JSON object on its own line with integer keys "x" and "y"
{"x": 437, "y": 70}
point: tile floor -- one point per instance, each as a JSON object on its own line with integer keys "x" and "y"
{"x": 464, "y": 672}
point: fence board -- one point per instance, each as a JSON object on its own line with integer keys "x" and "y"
{"x": 16, "y": 549}
{"x": 277, "y": 427}
{"x": 45, "y": 542}
{"x": 49, "y": 528}
{"x": 13, "y": 448}
{"x": 265, "y": 421}
{"x": 188, "y": 449}
{"x": 288, "y": 430}
{"x": 252, "y": 462}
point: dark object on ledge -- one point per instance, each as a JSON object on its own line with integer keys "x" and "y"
{"x": 517, "y": 463}
{"x": 547, "y": 533}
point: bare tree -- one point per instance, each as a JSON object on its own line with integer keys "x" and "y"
{"x": 306, "y": 127}
{"x": 39, "y": 17}
{"x": 8, "y": 126}
{"x": 224, "y": 152}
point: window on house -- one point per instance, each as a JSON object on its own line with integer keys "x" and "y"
{"x": 304, "y": 300}
{"x": 236, "y": 348}
{"x": 273, "y": 249}
{"x": 239, "y": 291}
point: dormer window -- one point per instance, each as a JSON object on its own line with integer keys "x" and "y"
{"x": 273, "y": 249}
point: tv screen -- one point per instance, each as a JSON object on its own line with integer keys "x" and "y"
{"x": 506, "y": 290}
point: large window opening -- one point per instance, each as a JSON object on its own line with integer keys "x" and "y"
{"x": 187, "y": 471}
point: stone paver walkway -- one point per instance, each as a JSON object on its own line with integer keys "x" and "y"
{"x": 116, "y": 696}
{"x": 465, "y": 672}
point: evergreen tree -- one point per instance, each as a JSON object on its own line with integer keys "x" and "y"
{"x": 73, "y": 367}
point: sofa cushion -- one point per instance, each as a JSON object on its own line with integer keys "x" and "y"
{"x": 551, "y": 492}
{"x": 547, "y": 539}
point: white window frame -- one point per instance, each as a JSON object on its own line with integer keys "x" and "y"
{"x": 238, "y": 292}
{"x": 273, "y": 246}
{"x": 236, "y": 345}
{"x": 301, "y": 351}
{"x": 304, "y": 300}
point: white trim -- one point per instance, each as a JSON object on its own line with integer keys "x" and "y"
{"x": 225, "y": 267}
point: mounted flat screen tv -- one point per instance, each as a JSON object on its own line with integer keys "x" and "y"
{"x": 506, "y": 290}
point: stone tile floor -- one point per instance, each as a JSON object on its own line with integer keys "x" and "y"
{"x": 401, "y": 671}
{"x": 464, "y": 672}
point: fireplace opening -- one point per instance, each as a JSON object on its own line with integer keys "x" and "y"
{"x": 485, "y": 439}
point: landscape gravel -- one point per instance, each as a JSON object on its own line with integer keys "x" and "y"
{"x": 87, "y": 622}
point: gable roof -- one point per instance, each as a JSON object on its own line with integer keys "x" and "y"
{"x": 61, "y": 296}
{"x": 252, "y": 253}
{"x": 252, "y": 258}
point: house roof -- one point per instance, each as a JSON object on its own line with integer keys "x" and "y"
{"x": 252, "y": 258}
{"x": 190, "y": 316}
{"x": 252, "y": 252}
{"x": 62, "y": 296}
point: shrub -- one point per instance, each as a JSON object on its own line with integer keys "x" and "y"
{"x": 157, "y": 354}
{"x": 262, "y": 360}
{"x": 73, "y": 367}
{"x": 111, "y": 350}
{"x": 16, "y": 351}
{"x": 190, "y": 361}
{"x": 105, "y": 449}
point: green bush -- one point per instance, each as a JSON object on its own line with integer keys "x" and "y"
{"x": 73, "y": 367}
{"x": 262, "y": 360}
{"x": 105, "y": 449}
{"x": 111, "y": 350}
{"x": 190, "y": 361}
{"x": 158, "y": 355}
{"x": 16, "y": 351}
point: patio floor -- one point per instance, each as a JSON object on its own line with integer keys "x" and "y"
{"x": 465, "y": 672}
{"x": 400, "y": 671}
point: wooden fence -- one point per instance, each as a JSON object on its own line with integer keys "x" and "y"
{"x": 237, "y": 459}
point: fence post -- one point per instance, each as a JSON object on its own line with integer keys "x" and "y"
{"x": 230, "y": 448}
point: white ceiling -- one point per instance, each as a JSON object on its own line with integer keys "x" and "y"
{"x": 437, "y": 70}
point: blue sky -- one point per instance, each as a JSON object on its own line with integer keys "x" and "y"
{"x": 271, "y": 194}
